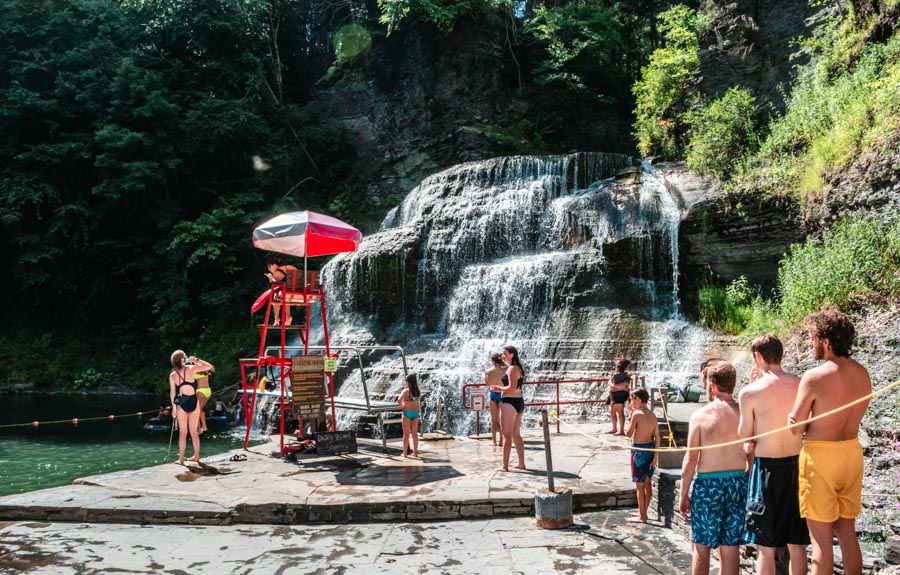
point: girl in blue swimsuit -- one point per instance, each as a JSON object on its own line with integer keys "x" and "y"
{"x": 491, "y": 378}
{"x": 512, "y": 406}
{"x": 409, "y": 403}
{"x": 183, "y": 395}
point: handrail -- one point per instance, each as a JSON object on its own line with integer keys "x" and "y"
{"x": 466, "y": 387}
{"x": 354, "y": 348}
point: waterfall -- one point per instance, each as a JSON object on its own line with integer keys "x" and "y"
{"x": 573, "y": 259}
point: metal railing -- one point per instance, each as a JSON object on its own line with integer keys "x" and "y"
{"x": 370, "y": 406}
{"x": 558, "y": 403}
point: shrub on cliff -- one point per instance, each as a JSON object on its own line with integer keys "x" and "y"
{"x": 660, "y": 91}
{"x": 723, "y": 134}
{"x": 846, "y": 103}
{"x": 853, "y": 265}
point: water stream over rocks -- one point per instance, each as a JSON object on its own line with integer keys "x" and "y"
{"x": 573, "y": 259}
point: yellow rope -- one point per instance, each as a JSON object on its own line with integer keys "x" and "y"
{"x": 671, "y": 436}
{"x": 881, "y": 391}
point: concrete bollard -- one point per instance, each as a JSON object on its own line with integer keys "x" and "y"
{"x": 553, "y": 510}
{"x": 553, "y": 506}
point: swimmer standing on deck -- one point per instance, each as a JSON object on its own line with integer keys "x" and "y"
{"x": 831, "y": 461}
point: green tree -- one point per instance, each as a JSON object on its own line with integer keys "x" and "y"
{"x": 723, "y": 134}
{"x": 659, "y": 93}
{"x": 581, "y": 41}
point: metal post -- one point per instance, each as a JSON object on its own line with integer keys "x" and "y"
{"x": 546, "y": 427}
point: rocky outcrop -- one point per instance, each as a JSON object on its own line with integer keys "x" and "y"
{"x": 423, "y": 101}
{"x": 869, "y": 185}
{"x": 724, "y": 236}
{"x": 753, "y": 44}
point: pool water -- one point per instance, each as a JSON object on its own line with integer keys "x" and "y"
{"x": 51, "y": 455}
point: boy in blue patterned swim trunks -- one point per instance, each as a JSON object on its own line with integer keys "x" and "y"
{"x": 718, "y": 501}
{"x": 643, "y": 429}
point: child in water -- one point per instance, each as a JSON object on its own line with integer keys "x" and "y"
{"x": 409, "y": 403}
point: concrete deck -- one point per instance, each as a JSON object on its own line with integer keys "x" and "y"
{"x": 454, "y": 478}
{"x": 600, "y": 543}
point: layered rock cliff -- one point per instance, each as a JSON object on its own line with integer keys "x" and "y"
{"x": 425, "y": 100}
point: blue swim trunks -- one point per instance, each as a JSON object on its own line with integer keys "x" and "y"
{"x": 640, "y": 462}
{"x": 495, "y": 396}
{"x": 718, "y": 507}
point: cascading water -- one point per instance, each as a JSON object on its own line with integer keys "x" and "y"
{"x": 555, "y": 255}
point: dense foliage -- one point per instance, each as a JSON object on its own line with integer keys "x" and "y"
{"x": 660, "y": 109}
{"x": 842, "y": 106}
{"x": 127, "y": 164}
{"x": 723, "y": 134}
{"x": 143, "y": 140}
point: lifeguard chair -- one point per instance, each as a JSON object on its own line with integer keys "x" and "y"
{"x": 301, "y": 234}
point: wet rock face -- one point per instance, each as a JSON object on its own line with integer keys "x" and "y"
{"x": 723, "y": 237}
{"x": 752, "y": 44}
{"x": 423, "y": 101}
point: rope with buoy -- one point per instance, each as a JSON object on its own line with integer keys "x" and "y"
{"x": 77, "y": 420}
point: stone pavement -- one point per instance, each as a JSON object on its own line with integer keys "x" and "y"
{"x": 599, "y": 543}
{"x": 455, "y": 478}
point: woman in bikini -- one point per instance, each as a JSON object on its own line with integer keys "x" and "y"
{"x": 492, "y": 377}
{"x": 409, "y": 403}
{"x": 619, "y": 392}
{"x": 183, "y": 395}
{"x": 204, "y": 392}
{"x": 512, "y": 406}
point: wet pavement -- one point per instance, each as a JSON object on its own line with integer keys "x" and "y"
{"x": 454, "y": 478}
{"x": 599, "y": 543}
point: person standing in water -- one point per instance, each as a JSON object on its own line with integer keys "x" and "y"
{"x": 183, "y": 396}
{"x": 409, "y": 403}
{"x": 512, "y": 406}
{"x": 492, "y": 378}
{"x": 831, "y": 460}
{"x": 619, "y": 392}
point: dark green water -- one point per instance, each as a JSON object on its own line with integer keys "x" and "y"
{"x": 52, "y": 455}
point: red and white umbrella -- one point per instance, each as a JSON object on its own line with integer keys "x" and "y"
{"x": 306, "y": 234}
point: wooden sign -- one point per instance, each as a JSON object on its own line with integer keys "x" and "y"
{"x": 308, "y": 386}
{"x": 335, "y": 442}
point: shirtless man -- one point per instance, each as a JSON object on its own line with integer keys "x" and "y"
{"x": 717, "y": 502}
{"x": 773, "y": 508}
{"x": 831, "y": 461}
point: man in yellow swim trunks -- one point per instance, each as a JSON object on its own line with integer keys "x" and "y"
{"x": 831, "y": 461}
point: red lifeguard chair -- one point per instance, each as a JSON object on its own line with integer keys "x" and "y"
{"x": 303, "y": 234}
